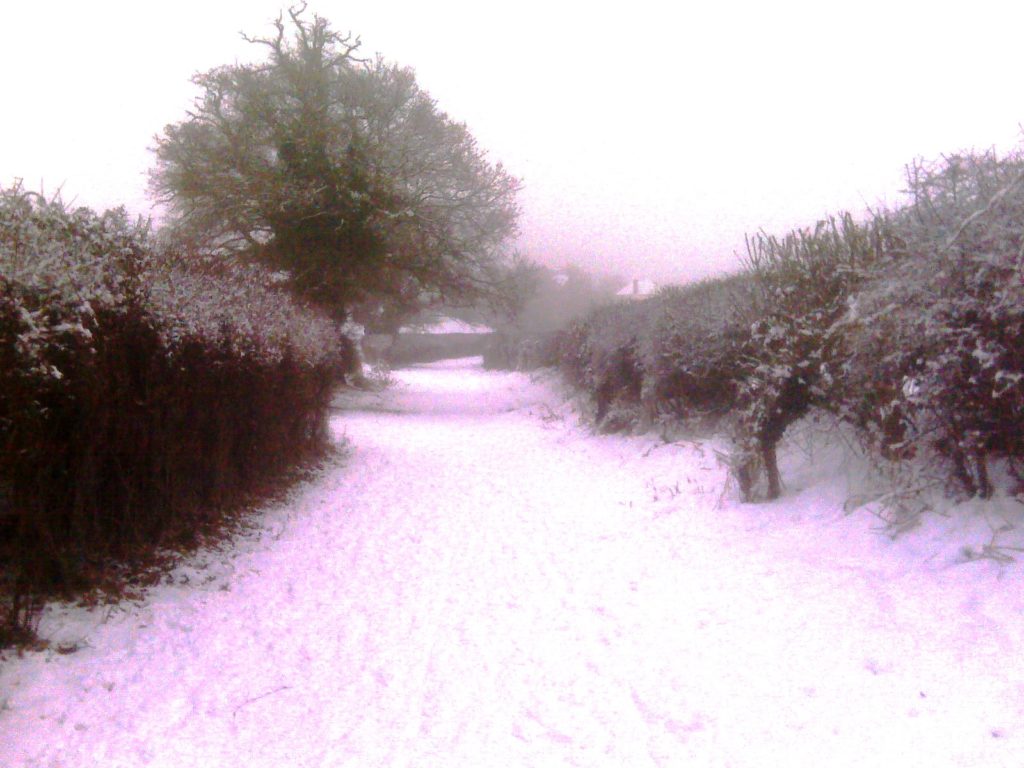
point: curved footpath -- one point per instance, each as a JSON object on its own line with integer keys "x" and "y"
{"x": 481, "y": 583}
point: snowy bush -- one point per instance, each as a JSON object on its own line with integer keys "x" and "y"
{"x": 908, "y": 325}
{"x": 806, "y": 283}
{"x": 601, "y": 356}
{"x": 139, "y": 390}
{"x": 692, "y": 347}
{"x": 672, "y": 357}
{"x": 941, "y": 332}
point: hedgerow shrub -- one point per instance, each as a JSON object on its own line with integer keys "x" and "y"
{"x": 572, "y": 347}
{"x": 671, "y": 357}
{"x": 601, "y": 356}
{"x": 513, "y": 349}
{"x": 805, "y": 282}
{"x": 140, "y": 392}
{"x": 944, "y": 328}
{"x": 908, "y": 325}
{"x": 693, "y": 344}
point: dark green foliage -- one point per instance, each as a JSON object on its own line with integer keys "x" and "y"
{"x": 340, "y": 172}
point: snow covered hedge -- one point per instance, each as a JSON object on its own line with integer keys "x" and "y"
{"x": 940, "y": 331}
{"x": 670, "y": 357}
{"x": 140, "y": 391}
{"x": 694, "y": 342}
{"x": 909, "y": 325}
{"x": 600, "y": 355}
{"x": 805, "y": 283}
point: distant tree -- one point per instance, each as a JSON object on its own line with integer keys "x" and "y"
{"x": 549, "y": 299}
{"x": 340, "y": 172}
{"x": 521, "y": 280}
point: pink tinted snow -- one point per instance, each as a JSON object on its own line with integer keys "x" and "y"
{"x": 483, "y": 583}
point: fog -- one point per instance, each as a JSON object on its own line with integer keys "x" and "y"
{"x": 649, "y": 141}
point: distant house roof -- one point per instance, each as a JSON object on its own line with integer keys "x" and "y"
{"x": 637, "y": 288}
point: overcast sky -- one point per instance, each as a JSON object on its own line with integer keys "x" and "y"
{"x": 648, "y": 140}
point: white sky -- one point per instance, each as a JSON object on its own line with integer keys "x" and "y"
{"x": 650, "y": 136}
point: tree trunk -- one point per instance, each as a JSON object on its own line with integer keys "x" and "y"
{"x": 352, "y": 335}
{"x": 771, "y": 469}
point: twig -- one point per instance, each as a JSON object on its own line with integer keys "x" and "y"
{"x": 261, "y": 696}
{"x": 996, "y": 198}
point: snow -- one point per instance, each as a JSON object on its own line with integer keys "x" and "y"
{"x": 446, "y": 325}
{"x": 480, "y": 582}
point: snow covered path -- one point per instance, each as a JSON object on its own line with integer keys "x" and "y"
{"x": 483, "y": 584}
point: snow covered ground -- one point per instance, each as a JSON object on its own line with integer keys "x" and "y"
{"x": 482, "y": 583}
